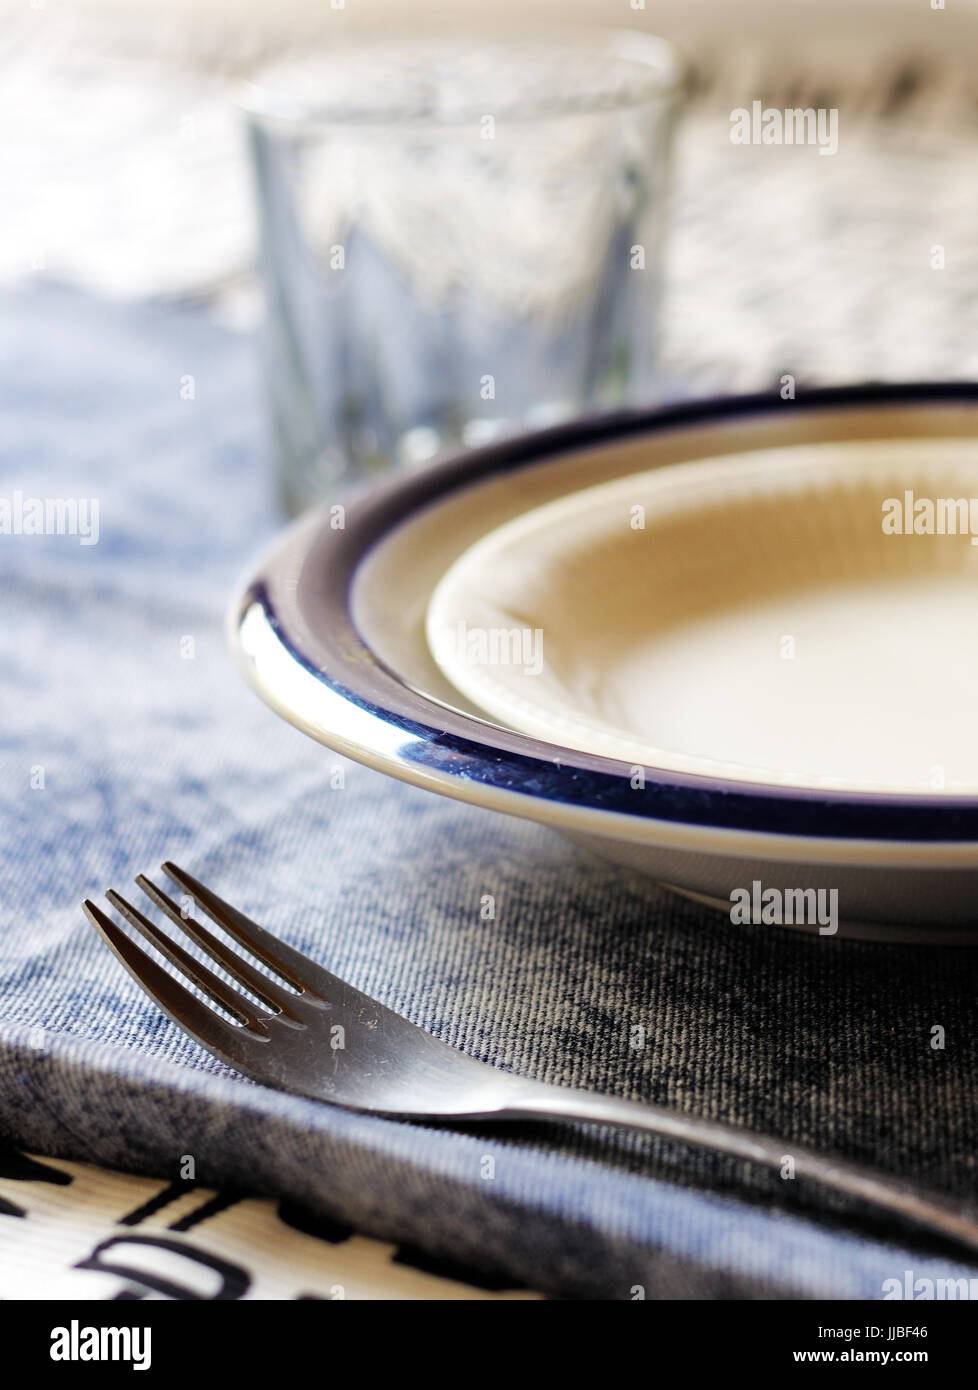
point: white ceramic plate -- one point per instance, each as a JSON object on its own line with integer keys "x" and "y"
{"x": 751, "y": 617}
{"x": 330, "y": 630}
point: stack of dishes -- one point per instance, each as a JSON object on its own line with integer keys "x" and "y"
{"x": 732, "y": 645}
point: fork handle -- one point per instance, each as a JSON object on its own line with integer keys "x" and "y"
{"x": 959, "y": 1222}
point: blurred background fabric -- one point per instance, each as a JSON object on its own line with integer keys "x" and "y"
{"x": 123, "y": 168}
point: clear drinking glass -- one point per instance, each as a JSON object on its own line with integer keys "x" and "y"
{"x": 459, "y": 239}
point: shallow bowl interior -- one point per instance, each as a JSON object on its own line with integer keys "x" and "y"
{"x": 796, "y": 615}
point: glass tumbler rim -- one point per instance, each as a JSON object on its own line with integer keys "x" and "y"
{"x": 264, "y": 105}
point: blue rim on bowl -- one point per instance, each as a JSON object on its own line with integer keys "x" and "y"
{"x": 293, "y": 633}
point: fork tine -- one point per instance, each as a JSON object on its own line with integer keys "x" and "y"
{"x": 292, "y": 965}
{"x": 223, "y": 994}
{"x": 266, "y": 990}
{"x": 186, "y": 1010}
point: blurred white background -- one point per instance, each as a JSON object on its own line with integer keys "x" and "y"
{"x": 122, "y": 166}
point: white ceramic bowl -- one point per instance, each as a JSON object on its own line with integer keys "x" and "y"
{"x": 331, "y": 630}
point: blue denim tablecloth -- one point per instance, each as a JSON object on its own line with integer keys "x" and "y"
{"x": 148, "y": 747}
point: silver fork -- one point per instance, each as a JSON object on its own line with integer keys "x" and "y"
{"x": 317, "y": 1036}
